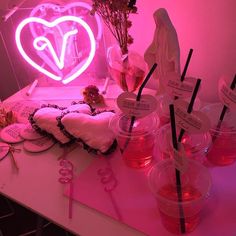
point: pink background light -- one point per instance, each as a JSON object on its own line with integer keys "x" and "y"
{"x": 206, "y": 26}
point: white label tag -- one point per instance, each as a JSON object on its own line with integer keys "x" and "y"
{"x": 175, "y": 87}
{"x": 194, "y": 122}
{"x": 227, "y": 95}
{"x": 129, "y": 106}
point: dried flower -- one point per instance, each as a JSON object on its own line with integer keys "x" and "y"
{"x": 115, "y": 14}
{"x": 92, "y": 96}
{"x": 6, "y": 118}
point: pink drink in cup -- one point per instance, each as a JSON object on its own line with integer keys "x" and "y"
{"x": 128, "y": 74}
{"x": 223, "y": 149}
{"x": 195, "y": 145}
{"x": 137, "y": 146}
{"x": 195, "y": 183}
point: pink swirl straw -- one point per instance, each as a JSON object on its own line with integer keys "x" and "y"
{"x": 66, "y": 172}
{"x": 110, "y": 182}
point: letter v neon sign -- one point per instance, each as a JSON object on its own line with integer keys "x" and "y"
{"x": 59, "y": 60}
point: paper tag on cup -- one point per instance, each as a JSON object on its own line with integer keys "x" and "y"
{"x": 129, "y": 106}
{"x": 194, "y": 122}
{"x": 180, "y": 159}
{"x": 38, "y": 145}
{"x": 11, "y": 133}
{"x": 226, "y": 94}
{"x": 175, "y": 87}
{"x": 29, "y": 133}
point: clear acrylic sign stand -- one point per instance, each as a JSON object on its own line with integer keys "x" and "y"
{"x": 54, "y": 49}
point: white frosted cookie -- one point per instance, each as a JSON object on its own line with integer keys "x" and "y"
{"x": 82, "y": 108}
{"x": 46, "y": 118}
{"x": 92, "y": 130}
{"x": 38, "y": 145}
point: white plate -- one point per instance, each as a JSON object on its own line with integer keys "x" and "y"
{"x": 38, "y": 145}
{"x": 11, "y": 133}
{"x": 29, "y": 133}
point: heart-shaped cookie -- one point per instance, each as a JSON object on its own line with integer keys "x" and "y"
{"x": 91, "y": 130}
{"x": 129, "y": 106}
{"x": 45, "y": 119}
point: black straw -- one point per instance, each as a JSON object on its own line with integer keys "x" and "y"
{"x": 190, "y": 106}
{"x": 185, "y": 67}
{"x": 232, "y": 86}
{"x": 186, "y": 64}
{"x": 177, "y": 172}
{"x": 145, "y": 81}
{"x": 138, "y": 99}
{"x": 222, "y": 114}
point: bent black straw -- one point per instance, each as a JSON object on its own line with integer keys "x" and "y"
{"x": 222, "y": 114}
{"x": 232, "y": 86}
{"x": 177, "y": 172}
{"x": 186, "y": 64}
{"x": 138, "y": 99}
{"x": 185, "y": 67}
{"x": 190, "y": 106}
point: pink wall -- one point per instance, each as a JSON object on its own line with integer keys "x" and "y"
{"x": 209, "y": 27}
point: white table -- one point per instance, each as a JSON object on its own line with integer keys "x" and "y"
{"x": 36, "y": 187}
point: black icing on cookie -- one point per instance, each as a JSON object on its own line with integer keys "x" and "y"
{"x": 38, "y": 128}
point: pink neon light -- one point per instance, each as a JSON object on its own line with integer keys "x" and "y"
{"x": 59, "y": 61}
{"x": 71, "y": 8}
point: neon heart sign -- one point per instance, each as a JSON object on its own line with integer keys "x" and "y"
{"x": 52, "y": 45}
{"x": 81, "y": 9}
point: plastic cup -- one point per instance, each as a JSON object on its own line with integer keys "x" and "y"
{"x": 195, "y": 187}
{"x": 137, "y": 147}
{"x": 223, "y": 149}
{"x": 195, "y": 145}
{"x": 163, "y": 102}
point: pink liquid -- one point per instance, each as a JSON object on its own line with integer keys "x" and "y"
{"x": 191, "y": 217}
{"x": 139, "y": 151}
{"x": 164, "y": 120}
{"x": 130, "y": 79}
{"x": 223, "y": 150}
